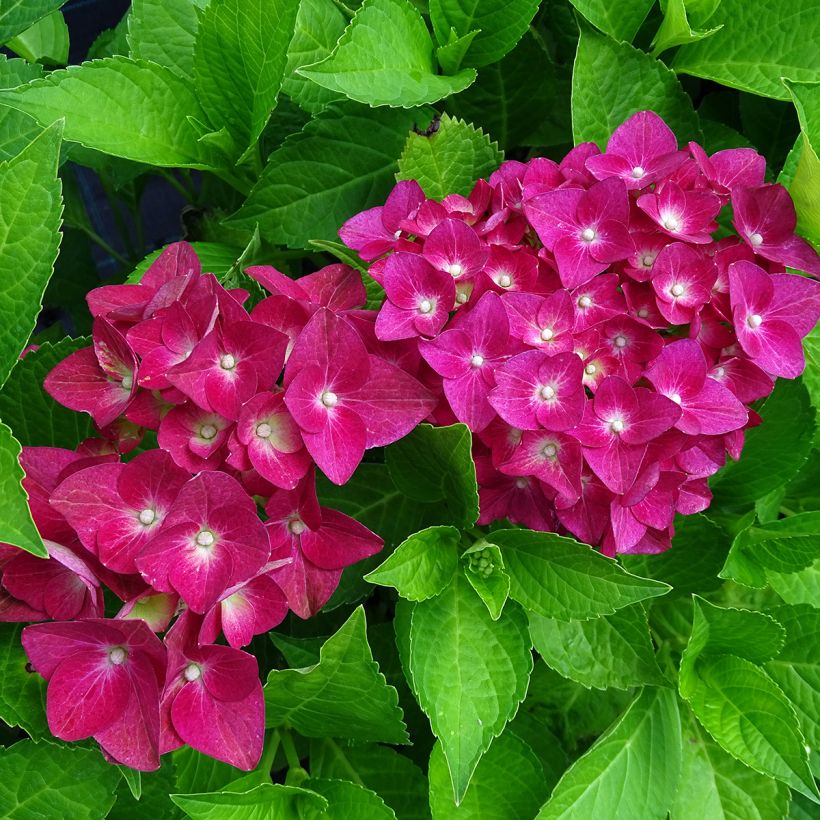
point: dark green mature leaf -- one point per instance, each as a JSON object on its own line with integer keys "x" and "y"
{"x": 422, "y": 565}
{"x": 758, "y": 44}
{"x": 45, "y": 42}
{"x": 557, "y": 577}
{"x": 508, "y": 783}
{"x": 715, "y": 786}
{"x": 40, "y": 780}
{"x": 450, "y": 160}
{"x": 30, "y": 209}
{"x": 347, "y": 799}
{"x": 619, "y": 20}
{"x": 385, "y": 57}
{"x": 612, "y": 81}
{"x": 154, "y": 801}
{"x": 35, "y": 418}
{"x": 774, "y": 451}
{"x": 266, "y": 800}
{"x": 610, "y": 651}
{"x": 22, "y": 693}
{"x": 306, "y": 193}
{"x": 128, "y": 108}
{"x": 239, "y": 60}
{"x": 435, "y": 464}
{"x": 18, "y": 15}
{"x": 164, "y": 31}
{"x": 344, "y": 695}
{"x": 500, "y": 25}
{"x": 196, "y": 772}
{"x": 631, "y": 771}
{"x": 469, "y": 672}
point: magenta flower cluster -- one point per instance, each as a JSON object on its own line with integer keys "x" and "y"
{"x": 596, "y": 326}
{"x": 244, "y": 404}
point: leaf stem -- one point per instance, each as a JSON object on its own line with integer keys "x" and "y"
{"x": 169, "y": 177}
{"x": 272, "y": 740}
{"x": 289, "y": 748}
{"x": 98, "y": 240}
{"x": 344, "y": 9}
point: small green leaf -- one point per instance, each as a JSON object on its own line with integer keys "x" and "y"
{"x": 45, "y": 42}
{"x": 620, "y": 21}
{"x": 451, "y": 54}
{"x": 484, "y": 569}
{"x": 385, "y": 57}
{"x": 348, "y": 799}
{"x": 557, "y": 577}
{"x": 450, "y": 160}
{"x": 469, "y": 673}
{"x": 631, "y": 771}
{"x": 612, "y": 81}
{"x": 508, "y": 783}
{"x": 344, "y": 695}
{"x": 22, "y": 693}
{"x": 266, "y": 800}
{"x": 675, "y": 30}
{"x": 610, "y": 651}
{"x": 422, "y": 565}
{"x": 436, "y": 464}
{"x": 215, "y": 258}
{"x": 18, "y": 15}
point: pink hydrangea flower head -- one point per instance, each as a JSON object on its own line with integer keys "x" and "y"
{"x": 731, "y": 168}
{"x": 682, "y": 280}
{"x": 687, "y": 216}
{"x": 454, "y": 248}
{"x": 554, "y": 458}
{"x": 195, "y": 438}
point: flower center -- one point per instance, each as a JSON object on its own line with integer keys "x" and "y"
{"x": 588, "y": 234}
{"x": 720, "y": 372}
{"x": 547, "y": 334}
{"x": 397, "y": 234}
{"x": 676, "y": 289}
{"x": 616, "y": 425}
{"x": 127, "y": 381}
{"x": 676, "y": 398}
{"x": 754, "y": 321}
{"x": 755, "y": 240}
{"x": 227, "y": 362}
{"x": 477, "y": 360}
{"x": 647, "y": 260}
{"x": 207, "y": 431}
{"x": 193, "y": 671}
{"x": 461, "y": 297}
{"x": 147, "y": 516}
{"x": 117, "y": 655}
{"x": 585, "y": 302}
{"x": 297, "y": 526}
{"x": 550, "y": 450}
{"x": 620, "y": 341}
{"x": 329, "y": 398}
{"x": 643, "y": 313}
{"x": 426, "y": 306}
{"x": 590, "y": 369}
{"x": 505, "y": 280}
{"x": 547, "y": 392}
{"x": 671, "y": 223}
{"x": 204, "y": 538}
{"x": 521, "y": 483}
{"x": 264, "y": 430}
{"x": 638, "y": 172}
{"x": 454, "y": 269}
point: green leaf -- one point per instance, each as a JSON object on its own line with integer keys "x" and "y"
{"x": 215, "y": 258}
{"x": 239, "y": 60}
{"x": 422, "y": 565}
{"x": 14, "y": 72}
{"x": 758, "y": 44}
{"x": 796, "y": 669}
{"x": 500, "y": 25}
{"x": 30, "y": 209}
{"x": 164, "y": 31}
{"x": 266, "y": 800}
{"x": 508, "y": 783}
{"x": 715, "y": 786}
{"x": 298, "y": 652}
{"x": 469, "y": 673}
{"x": 557, "y": 577}
{"x": 128, "y": 108}
{"x": 348, "y": 799}
{"x": 17, "y": 129}
{"x": 631, "y": 771}
{"x": 798, "y": 587}
{"x": 610, "y": 651}
{"x": 484, "y": 569}
{"x": 16, "y": 524}
{"x": 43, "y": 781}
{"x": 612, "y": 81}
{"x": 803, "y": 187}
{"x": 45, "y": 42}
{"x": 774, "y": 451}
{"x": 436, "y": 464}
{"x": 196, "y": 772}
{"x": 451, "y": 54}
{"x": 35, "y": 418}
{"x": 22, "y": 693}
{"x": 344, "y": 695}
{"x": 620, "y": 21}
{"x": 675, "y": 30}
{"x": 18, "y": 15}
{"x": 450, "y": 160}
{"x": 385, "y": 57}
{"x": 154, "y": 801}
{"x": 305, "y": 193}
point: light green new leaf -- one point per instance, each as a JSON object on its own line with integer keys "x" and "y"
{"x": 500, "y": 25}
{"x": 306, "y": 193}
{"x": 45, "y": 42}
{"x": 484, "y": 569}
{"x": 239, "y": 59}
{"x": 715, "y": 786}
{"x": 422, "y": 565}
{"x": 347, "y": 799}
{"x": 631, "y": 771}
{"x": 344, "y": 695}
{"x": 610, "y": 651}
{"x": 18, "y": 15}
{"x": 128, "y": 108}
{"x": 30, "y": 210}
{"x": 450, "y": 160}
{"x": 508, "y": 783}
{"x": 806, "y": 178}
{"x": 619, "y": 20}
{"x": 164, "y": 31}
{"x": 39, "y": 780}
{"x": 264, "y": 801}
{"x": 557, "y": 577}
{"x": 469, "y": 673}
{"x": 611, "y": 81}
{"x": 385, "y": 57}
{"x": 451, "y": 54}
{"x": 22, "y": 693}
{"x": 675, "y": 30}
{"x": 758, "y": 44}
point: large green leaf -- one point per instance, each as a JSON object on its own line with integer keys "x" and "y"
{"x": 631, "y": 771}
{"x": 619, "y": 20}
{"x": 798, "y": 587}
{"x": 500, "y": 25}
{"x": 40, "y": 780}
{"x": 803, "y": 186}
{"x": 469, "y": 673}
{"x": 22, "y": 693}
{"x": 450, "y": 160}
{"x": 267, "y": 800}
{"x": 196, "y": 772}
{"x": 385, "y": 57}
{"x": 45, "y": 42}
{"x": 17, "y": 129}
{"x": 30, "y": 210}
{"x": 344, "y": 695}
{"x": 612, "y": 81}
{"x": 347, "y": 799}
{"x": 508, "y": 783}
{"x": 18, "y": 15}
{"x": 239, "y": 59}
{"x": 128, "y": 108}
{"x": 758, "y": 44}
{"x": 306, "y": 193}
{"x": 609, "y": 651}
{"x": 557, "y": 577}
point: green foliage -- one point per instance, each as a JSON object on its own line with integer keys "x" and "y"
{"x": 266, "y": 800}
{"x": 620, "y": 21}
{"x": 16, "y": 524}
{"x": 22, "y": 694}
{"x": 18, "y": 15}
{"x": 45, "y": 42}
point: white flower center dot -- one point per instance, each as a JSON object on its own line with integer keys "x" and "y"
{"x": 207, "y": 431}
{"x": 329, "y": 398}
{"x": 297, "y": 526}
{"x": 720, "y": 372}
{"x": 588, "y": 234}
{"x": 455, "y": 269}
{"x": 671, "y": 223}
{"x": 550, "y": 450}
{"x": 585, "y": 302}
{"x": 755, "y": 320}
{"x": 461, "y": 298}
{"x": 117, "y": 655}
{"x": 127, "y": 381}
{"x": 676, "y": 289}
{"x": 755, "y": 240}
{"x": 397, "y": 234}
{"x": 676, "y": 398}
{"x": 617, "y": 426}
{"x": 264, "y": 430}
{"x": 547, "y": 392}
{"x": 147, "y": 516}
{"x": 505, "y": 280}
{"x": 546, "y": 334}
{"x": 590, "y": 369}
{"x": 521, "y": 483}
{"x": 192, "y": 672}
{"x": 643, "y": 313}
{"x": 227, "y": 362}
{"x": 477, "y": 360}
{"x": 425, "y": 306}
{"x": 647, "y": 260}
{"x": 204, "y": 538}
{"x": 638, "y": 172}
{"x": 619, "y": 341}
